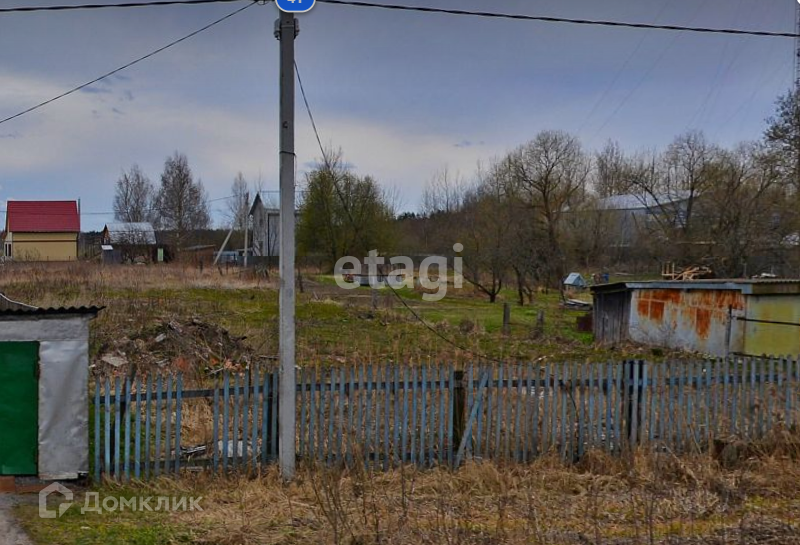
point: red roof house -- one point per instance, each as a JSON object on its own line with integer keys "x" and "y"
{"x": 42, "y": 230}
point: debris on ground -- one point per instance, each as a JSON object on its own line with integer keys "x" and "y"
{"x": 694, "y": 272}
{"x": 192, "y": 346}
{"x": 576, "y": 304}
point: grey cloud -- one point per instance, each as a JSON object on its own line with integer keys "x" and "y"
{"x": 469, "y": 144}
{"x": 95, "y": 90}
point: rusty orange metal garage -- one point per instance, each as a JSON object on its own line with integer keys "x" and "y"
{"x": 716, "y": 317}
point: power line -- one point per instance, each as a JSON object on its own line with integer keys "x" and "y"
{"x": 30, "y": 9}
{"x": 125, "y": 66}
{"x": 111, "y": 213}
{"x": 797, "y": 51}
{"x": 651, "y": 67}
{"x": 621, "y": 70}
{"x": 423, "y": 9}
{"x": 722, "y": 71}
{"x": 310, "y": 115}
{"x": 352, "y": 223}
{"x": 543, "y": 19}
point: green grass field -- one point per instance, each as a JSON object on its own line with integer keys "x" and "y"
{"x": 333, "y": 325}
{"x": 652, "y": 498}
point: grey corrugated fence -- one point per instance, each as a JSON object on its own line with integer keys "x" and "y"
{"x": 385, "y": 415}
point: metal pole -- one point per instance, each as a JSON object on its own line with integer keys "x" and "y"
{"x": 286, "y": 31}
{"x": 224, "y": 244}
{"x": 246, "y": 226}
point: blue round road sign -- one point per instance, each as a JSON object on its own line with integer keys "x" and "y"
{"x": 295, "y": 6}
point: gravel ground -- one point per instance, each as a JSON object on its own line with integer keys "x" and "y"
{"x": 10, "y": 531}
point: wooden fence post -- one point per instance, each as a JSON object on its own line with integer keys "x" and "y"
{"x": 506, "y": 319}
{"x": 458, "y": 404}
{"x": 274, "y": 411}
{"x": 633, "y": 409}
{"x": 628, "y": 407}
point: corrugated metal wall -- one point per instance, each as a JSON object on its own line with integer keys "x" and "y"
{"x": 689, "y": 319}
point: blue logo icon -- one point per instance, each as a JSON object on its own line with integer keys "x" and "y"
{"x": 295, "y": 6}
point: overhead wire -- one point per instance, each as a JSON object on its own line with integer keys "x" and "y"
{"x": 544, "y": 19}
{"x": 632, "y": 91}
{"x": 149, "y": 209}
{"x": 423, "y": 9}
{"x": 722, "y": 71}
{"x": 394, "y": 291}
{"x": 621, "y": 70}
{"x": 73, "y": 7}
{"x": 126, "y": 65}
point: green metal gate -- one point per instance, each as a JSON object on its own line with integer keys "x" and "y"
{"x": 18, "y": 407}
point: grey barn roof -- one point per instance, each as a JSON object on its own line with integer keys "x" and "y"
{"x": 640, "y": 202}
{"x": 131, "y": 233}
{"x": 748, "y": 286}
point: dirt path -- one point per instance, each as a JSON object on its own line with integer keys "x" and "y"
{"x": 10, "y": 531}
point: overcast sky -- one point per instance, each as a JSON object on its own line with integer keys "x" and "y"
{"x": 403, "y": 94}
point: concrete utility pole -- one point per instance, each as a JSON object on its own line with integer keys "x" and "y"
{"x": 246, "y": 227}
{"x": 797, "y": 49}
{"x": 286, "y": 30}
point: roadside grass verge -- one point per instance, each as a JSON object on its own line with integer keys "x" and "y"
{"x": 646, "y": 498}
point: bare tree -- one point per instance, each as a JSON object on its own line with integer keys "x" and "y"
{"x": 670, "y": 186}
{"x": 444, "y": 192}
{"x": 551, "y": 172}
{"x": 133, "y": 199}
{"x": 613, "y": 172}
{"x": 740, "y": 206}
{"x": 239, "y": 203}
{"x": 589, "y": 233}
{"x": 441, "y": 210}
{"x": 687, "y": 160}
{"x": 783, "y": 138}
{"x": 181, "y": 202}
{"x": 486, "y": 230}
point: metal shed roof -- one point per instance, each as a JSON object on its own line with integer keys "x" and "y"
{"x": 575, "y": 279}
{"x": 43, "y": 216}
{"x": 131, "y": 233}
{"x": 11, "y": 308}
{"x": 748, "y": 286}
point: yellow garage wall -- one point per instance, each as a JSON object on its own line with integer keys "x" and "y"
{"x": 45, "y": 246}
{"x": 773, "y": 339}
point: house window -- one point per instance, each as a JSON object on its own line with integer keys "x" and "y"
{"x": 8, "y": 249}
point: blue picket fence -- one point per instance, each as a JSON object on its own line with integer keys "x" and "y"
{"x": 439, "y": 415}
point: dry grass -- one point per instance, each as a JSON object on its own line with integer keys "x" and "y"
{"x": 648, "y": 498}
{"x": 739, "y": 494}
{"x": 90, "y": 279}
{"x": 334, "y": 325}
